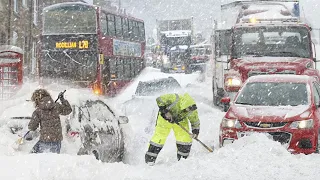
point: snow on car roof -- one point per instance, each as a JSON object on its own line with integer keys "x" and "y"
{"x": 281, "y": 78}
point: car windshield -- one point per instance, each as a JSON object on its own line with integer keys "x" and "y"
{"x": 151, "y": 88}
{"x": 273, "y": 94}
{"x": 271, "y": 41}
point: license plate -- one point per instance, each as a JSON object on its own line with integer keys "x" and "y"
{"x": 248, "y": 133}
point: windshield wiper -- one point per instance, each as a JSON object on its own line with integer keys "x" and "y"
{"x": 243, "y": 103}
{"x": 255, "y": 54}
{"x": 283, "y": 54}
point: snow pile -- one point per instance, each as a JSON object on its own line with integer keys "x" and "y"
{"x": 253, "y": 157}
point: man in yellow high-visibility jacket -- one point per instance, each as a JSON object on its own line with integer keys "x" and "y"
{"x": 173, "y": 109}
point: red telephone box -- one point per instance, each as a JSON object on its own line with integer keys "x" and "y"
{"x": 11, "y": 70}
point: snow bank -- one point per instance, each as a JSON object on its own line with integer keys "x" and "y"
{"x": 253, "y": 157}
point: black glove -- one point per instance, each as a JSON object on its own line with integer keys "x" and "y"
{"x": 195, "y": 133}
{"x": 61, "y": 96}
{"x": 166, "y": 114}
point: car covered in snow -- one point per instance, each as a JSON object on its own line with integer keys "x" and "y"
{"x": 284, "y": 107}
{"x": 93, "y": 128}
{"x": 100, "y": 130}
{"x": 146, "y": 93}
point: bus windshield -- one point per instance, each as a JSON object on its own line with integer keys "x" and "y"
{"x": 174, "y": 41}
{"x": 70, "y": 20}
{"x": 271, "y": 41}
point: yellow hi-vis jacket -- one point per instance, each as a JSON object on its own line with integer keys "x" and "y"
{"x": 177, "y": 104}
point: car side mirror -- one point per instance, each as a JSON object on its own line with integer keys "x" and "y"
{"x": 123, "y": 120}
{"x": 226, "y": 103}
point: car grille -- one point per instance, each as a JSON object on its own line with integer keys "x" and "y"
{"x": 265, "y": 125}
{"x": 254, "y": 73}
{"x": 282, "y": 137}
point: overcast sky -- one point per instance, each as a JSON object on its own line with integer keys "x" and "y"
{"x": 203, "y": 11}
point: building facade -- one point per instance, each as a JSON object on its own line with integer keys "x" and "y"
{"x": 21, "y": 26}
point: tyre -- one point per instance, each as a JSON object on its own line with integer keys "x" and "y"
{"x": 215, "y": 100}
{"x": 216, "y": 97}
{"x": 317, "y": 143}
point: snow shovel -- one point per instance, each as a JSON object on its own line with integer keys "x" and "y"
{"x": 20, "y": 141}
{"x": 205, "y": 146}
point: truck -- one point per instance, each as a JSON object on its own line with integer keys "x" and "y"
{"x": 174, "y": 40}
{"x": 259, "y": 37}
{"x": 201, "y": 54}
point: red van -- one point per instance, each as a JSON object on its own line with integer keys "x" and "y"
{"x": 285, "y": 107}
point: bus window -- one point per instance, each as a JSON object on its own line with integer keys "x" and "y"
{"x": 111, "y": 25}
{"x": 132, "y": 67}
{"x": 69, "y": 19}
{"x": 131, "y": 30}
{"x": 118, "y": 26}
{"x": 113, "y": 68}
{"x": 125, "y": 28}
{"x": 141, "y": 31}
{"x": 104, "y": 25}
{"x": 119, "y": 69}
{"x": 127, "y": 67}
{"x": 135, "y": 31}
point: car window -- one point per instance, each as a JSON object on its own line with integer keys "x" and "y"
{"x": 96, "y": 110}
{"x": 150, "y": 88}
{"x": 273, "y": 94}
{"x": 316, "y": 96}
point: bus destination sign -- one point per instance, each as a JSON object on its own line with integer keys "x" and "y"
{"x": 72, "y": 42}
{"x": 84, "y": 44}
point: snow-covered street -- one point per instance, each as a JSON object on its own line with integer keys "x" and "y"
{"x": 253, "y": 157}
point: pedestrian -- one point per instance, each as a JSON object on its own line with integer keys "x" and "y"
{"x": 47, "y": 117}
{"x": 174, "y": 109}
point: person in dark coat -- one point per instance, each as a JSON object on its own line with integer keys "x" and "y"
{"x": 47, "y": 117}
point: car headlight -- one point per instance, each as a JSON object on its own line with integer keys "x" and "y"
{"x": 305, "y": 124}
{"x": 233, "y": 81}
{"x": 230, "y": 123}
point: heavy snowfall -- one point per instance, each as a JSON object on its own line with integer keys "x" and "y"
{"x": 250, "y": 157}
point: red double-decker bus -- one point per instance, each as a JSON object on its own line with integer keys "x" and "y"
{"x": 88, "y": 46}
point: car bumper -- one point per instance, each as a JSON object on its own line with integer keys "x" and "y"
{"x": 296, "y": 140}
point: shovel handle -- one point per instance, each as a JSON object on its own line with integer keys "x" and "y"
{"x": 59, "y": 96}
{"x": 205, "y": 146}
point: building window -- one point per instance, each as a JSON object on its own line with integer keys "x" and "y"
{"x": 24, "y": 3}
{"x": 2, "y": 38}
{"x": 14, "y": 38}
{"x": 15, "y": 5}
{"x": 35, "y": 12}
{"x": 33, "y": 58}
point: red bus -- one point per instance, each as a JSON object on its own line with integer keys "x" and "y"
{"x": 11, "y": 71}
{"x": 91, "y": 47}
